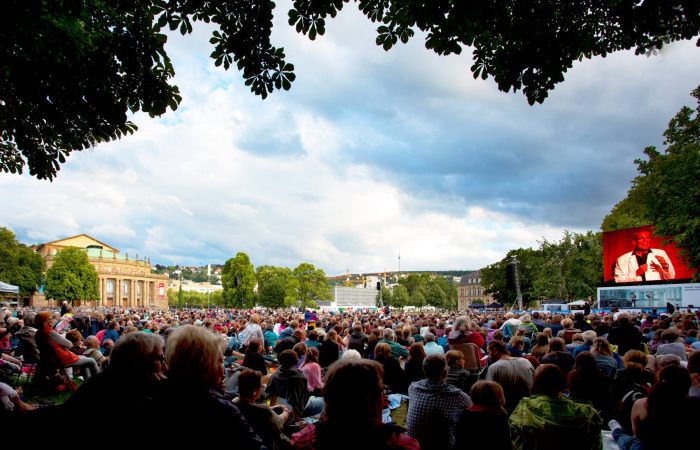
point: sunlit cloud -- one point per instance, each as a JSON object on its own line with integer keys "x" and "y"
{"x": 371, "y": 154}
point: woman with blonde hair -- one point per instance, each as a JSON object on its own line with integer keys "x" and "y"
{"x": 194, "y": 388}
{"x": 252, "y": 332}
{"x": 605, "y": 358}
{"x": 541, "y": 346}
{"x": 568, "y": 331}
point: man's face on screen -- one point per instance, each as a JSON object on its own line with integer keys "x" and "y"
{"x": 642, "y": 240}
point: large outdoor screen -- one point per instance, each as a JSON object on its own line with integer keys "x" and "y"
{"x": 635, "y": 255}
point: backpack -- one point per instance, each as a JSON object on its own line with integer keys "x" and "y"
{"x": 624, "y": 415}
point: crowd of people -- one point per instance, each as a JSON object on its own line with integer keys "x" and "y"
{"x": 281, "y": 379}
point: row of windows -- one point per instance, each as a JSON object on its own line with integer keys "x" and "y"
{"x": 109, "y": 287}
{"x": 471, "y": 292}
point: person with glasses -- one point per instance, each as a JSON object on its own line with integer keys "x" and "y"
{"x": 127, "y": 386}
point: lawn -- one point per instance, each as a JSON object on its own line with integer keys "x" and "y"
{"x": 29, "y": 395}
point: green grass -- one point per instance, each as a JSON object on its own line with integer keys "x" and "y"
{"x": 398, "y": 415}
{"x": 31, "y": 396}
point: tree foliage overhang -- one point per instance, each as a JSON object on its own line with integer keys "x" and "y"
{"x": 72, "y": 70}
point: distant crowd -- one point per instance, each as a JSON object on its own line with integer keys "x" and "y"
{"x": 282, "y": 379}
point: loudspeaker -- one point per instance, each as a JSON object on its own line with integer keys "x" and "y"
{"x": 379, "y": 285}
{"x": 510, "y": 276}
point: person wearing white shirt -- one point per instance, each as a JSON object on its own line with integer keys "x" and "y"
{"x": 643, "y": 263}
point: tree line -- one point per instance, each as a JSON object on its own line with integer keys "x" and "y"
{"x": 569, "y": 269}
{"x": 277, "y": 287}
{"x": 421, "y": 289}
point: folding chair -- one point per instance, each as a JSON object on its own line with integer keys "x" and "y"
{"x": 474, "y": 361}
{"x": 30, "y": 372}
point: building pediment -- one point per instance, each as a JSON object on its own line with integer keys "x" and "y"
{"x": 81, "y": 241}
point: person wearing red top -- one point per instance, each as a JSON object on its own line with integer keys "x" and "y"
{"x": 463, "y": 331}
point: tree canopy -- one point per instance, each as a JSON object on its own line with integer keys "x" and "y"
{"x": 71, "y": 277}
{"x": 272, "y": 285}
{"x": 71, "y": 70}
{"x": 421, "y": 289}
{"x": 19, "y": 265}
{"x": 192, "y": 298}
{"x": 570, "y": 269}
{"x": 306, "y": 287}
{"x": 667, "y": 193}
{"x": 238, "y": 279}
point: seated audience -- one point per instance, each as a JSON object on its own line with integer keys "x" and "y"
{"x": 548, "y": 420}
{"x": 484, "y": 424}
{"x": 353, "y": 398}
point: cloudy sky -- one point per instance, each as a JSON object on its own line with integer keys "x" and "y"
{"x": 370, "y": 154}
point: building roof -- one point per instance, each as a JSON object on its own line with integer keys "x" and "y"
{"x": 73, "y": 240}
{"x": 465, "y": 278}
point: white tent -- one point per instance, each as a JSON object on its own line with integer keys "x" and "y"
{"x": 577, "y": 303}
{"x": 5, "y": 287}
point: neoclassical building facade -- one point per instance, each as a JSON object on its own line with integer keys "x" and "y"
{"x": 471, "y": 290}
{"x": 123, "y": 282}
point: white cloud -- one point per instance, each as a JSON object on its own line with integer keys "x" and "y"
{"x": 371, "y": 153}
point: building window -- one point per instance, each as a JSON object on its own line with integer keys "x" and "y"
{"x": 125, "y": 288}
{"x": 110, "y": 287}
{"x": 138, "y": 288}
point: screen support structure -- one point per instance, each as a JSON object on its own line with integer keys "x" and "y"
{"x": 519, "y": 294}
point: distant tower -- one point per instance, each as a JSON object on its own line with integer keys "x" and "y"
{"x": 208, "y": 270}
{"x": 399, "y": 263}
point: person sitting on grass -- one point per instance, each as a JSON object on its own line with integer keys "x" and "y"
{"x": 289, "y": 386}
{"x": 457, "y": 375}
{"x": 547, "y": 419}
{"x": 194, "y": 389}
{"x": 49, "y": 341}
{"x": 92, "y": 350}
{"x": 128, "y": 384}
{"x": 484, "y": 424}
{"x": 267, "y": 422}
{"x": 11, "y": 402}
{"x": 353, "y": 397}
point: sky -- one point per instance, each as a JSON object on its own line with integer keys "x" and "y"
{"x": 369, "y": 156}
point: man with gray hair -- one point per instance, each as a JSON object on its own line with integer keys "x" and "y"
{"x": 397, "y": 351}
{"x": 588, "y": 337}
{"x": 434, "y": 406}
{"x": 430, "y": 347}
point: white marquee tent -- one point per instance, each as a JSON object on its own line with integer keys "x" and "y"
{"x": 5, "y": 287}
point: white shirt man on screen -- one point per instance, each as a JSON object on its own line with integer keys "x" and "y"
{"x": 643, "y": 263}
